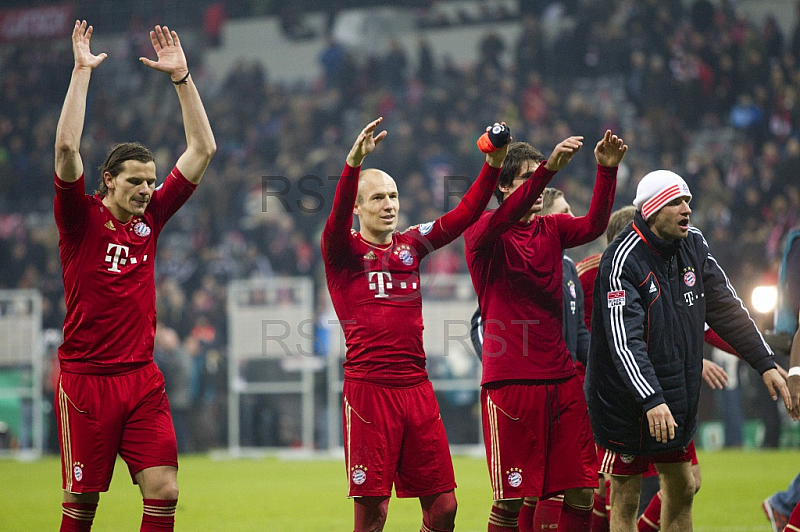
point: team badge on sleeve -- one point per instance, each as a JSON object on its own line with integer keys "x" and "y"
{"x": 426, "y": 228}
{"x": 616, "y": 298}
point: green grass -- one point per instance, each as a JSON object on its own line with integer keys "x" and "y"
{"x": 274, "y": 495}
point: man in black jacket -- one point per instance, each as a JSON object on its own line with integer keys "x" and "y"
{"x": 657, "y": 285}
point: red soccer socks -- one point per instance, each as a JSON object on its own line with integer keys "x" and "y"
{"x": 77, "y": 517}
{"x": 502, "y": 520}
{"x": 158, "y": 514}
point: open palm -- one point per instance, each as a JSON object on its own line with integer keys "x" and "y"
{"x": 171, "y": 58}
{"x": 610, "y": 150}
{"x": 81, "y": 37}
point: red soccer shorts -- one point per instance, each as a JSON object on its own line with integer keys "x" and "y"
{"x": 394, "y": 436}
{"x": 651, "y": 471}
{"x": 100, "y": 416}
{"x": 538, "y": 438}
{"x": 614, "y": 463}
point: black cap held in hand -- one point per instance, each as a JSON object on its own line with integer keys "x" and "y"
{"x": 494, "y": 139}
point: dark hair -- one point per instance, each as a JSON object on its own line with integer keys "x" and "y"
{"x": 125, "y": 151}
{"x": 518, "y": 154}
{"x": 549, "y": 196}
{"x": 619, "y": 219}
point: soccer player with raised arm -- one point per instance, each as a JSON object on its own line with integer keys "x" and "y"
{"x": 535, "y": 425}
{"x": 110, "y": 398}
{"x": 393, "y": 433}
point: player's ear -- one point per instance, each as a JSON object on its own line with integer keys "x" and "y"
{"x": 109, "y": 180}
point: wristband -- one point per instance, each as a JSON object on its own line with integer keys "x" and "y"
{"x": 794, "y": 371}
{"x": 184, "y": 79}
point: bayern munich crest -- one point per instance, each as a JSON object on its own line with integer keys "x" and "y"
{"x": 77, "y": 470}
{"x": 572, "y": 291}
{"x": 405, "y": 257}
{"x": 626, "y": 458}
{"x": 515, "y": 477}
{"x": 689, "y": 278}
{"x": 359, "y": 475}
{"x": 141, "y": 229}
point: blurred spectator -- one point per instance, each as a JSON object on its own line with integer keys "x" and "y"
{"x": 176, "y": 365}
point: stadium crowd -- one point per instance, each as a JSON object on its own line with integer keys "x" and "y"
{"x": 698, "y": 89}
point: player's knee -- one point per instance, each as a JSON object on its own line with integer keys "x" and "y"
{"x": 625, "y": 506}
{"x": 171, "y": 492}
{"x": 370, "y": 513}
{"x": 625, "y": 502}
{"x": 579, "y": 497}
{"x": 698, "y": 478}
{"x": 687, "y": 494}
{"x": 166, "y": 490}
{"x": 510, "y": 505}
{"x": 681, "y": 492}
{"x": 444, "y": 518}
{"x": 441, "y": 512}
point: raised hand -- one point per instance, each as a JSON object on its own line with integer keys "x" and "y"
{"x": 171, "y": 58}
{"x": 610, "y": 150}
{"x": 365, "y": 143}
{"x": 81, "y": 37}
{"x": 495, "y": 158}
{"x": 563, "y": 153}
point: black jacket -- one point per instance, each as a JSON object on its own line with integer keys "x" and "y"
{"x": 576, "y": 335}
{"x": 651, "y": 300}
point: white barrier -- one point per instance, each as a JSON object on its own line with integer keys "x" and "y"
{"x": 21, "y": 373}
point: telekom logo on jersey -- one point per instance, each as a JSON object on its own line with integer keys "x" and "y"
{"x": 118, "y": 255}
{"x": 382, "y": 281}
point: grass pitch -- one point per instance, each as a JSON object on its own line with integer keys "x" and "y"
{"x": 276, "y": 495}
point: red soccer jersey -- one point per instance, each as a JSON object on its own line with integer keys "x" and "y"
{"x": 517, "y": 274}
{"x": 108, "y": 275}
{"x": 587, "y": 272}
{"x": 375, "y": 289}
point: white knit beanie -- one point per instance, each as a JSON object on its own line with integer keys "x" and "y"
{"x": 658, "y": 188}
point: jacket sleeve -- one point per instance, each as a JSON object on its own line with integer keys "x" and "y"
{"x": 621, "y": 307}
{"x": 727, "y": 315}
{"x": 476, "y": 333}
{"x": 584, "y": 337}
